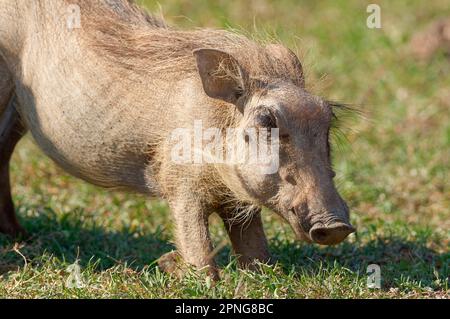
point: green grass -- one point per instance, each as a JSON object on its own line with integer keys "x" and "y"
{"x": 393, "y": 171}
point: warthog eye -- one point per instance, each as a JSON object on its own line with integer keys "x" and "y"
{"x": 265, "y": 118}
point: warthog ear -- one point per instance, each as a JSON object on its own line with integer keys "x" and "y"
{"x": 222, "y": 76}
{"x": 290, "y": 59}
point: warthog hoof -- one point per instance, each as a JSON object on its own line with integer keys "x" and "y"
{"x": 172, "y": 263}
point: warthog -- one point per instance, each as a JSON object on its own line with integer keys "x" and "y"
{"x": 102, "y": 95}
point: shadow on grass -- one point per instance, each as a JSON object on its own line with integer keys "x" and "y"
{"x": 69, "y": 238}
{"x": 402, "y": 261}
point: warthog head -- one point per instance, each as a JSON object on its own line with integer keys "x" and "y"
{"x": 301, "y": 189}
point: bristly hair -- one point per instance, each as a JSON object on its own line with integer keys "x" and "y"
{"x": 128, "y": 36}
{"x": 344, "y": 116}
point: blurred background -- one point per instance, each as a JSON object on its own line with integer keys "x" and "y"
{"x": 392, "y": 165}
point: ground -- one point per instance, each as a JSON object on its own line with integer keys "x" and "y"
{"x": 392, "y": 168}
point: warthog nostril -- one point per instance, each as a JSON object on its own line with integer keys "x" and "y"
{"x": 331, "y": 234}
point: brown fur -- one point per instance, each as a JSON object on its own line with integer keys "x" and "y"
{"x": 151, "y": 47}
{"x": 102, "y": 101}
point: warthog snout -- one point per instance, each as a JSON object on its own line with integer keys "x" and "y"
{"x": 330, "y": 234}
{"x": 321, "y": 228}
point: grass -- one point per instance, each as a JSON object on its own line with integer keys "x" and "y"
{"x": 393, "y": 171}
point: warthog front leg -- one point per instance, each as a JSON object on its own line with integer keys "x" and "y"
{"x": 192, "y": 240}
{"x": 247, "y": 237}
{"x": 11, "y": 131}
